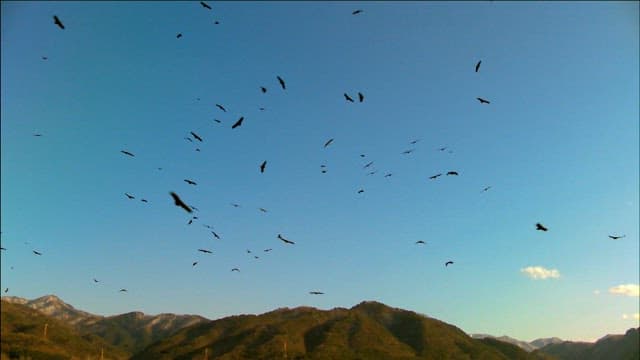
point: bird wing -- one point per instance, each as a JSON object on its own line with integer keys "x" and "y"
{"x": 346, "y": 96}
{"x": 180, "y": 203}
{"x": 281, "y": 81}
{"x": 238, "y": 123}
{"x": 478, "y": 65}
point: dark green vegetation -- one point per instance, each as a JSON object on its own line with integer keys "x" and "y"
{"x": 619, "y": 347}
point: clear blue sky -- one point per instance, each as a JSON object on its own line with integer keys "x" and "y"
{"x": 558, "y": 145}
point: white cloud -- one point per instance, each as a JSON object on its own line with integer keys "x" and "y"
{"x": 538, "y": 272}
{"x": 626, "y": 289}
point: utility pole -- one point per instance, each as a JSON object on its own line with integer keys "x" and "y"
{"x": 45, "y": 329}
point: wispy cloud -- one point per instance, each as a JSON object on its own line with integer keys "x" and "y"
{"x": 539, "y": 272}
{"x": 626, "y": 289}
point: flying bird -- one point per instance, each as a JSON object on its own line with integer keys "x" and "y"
{"x": 235, "y": 205}
{"x": 483, "y": 101}
{"x": 347, "y": 97}
{"x": 205, "y": 5}
{"x": 434, "y": 176}
{"x": 37, "y": 253}
{"x": 263, "y": 210}
{"x": 190, "y": 182}
{"x": 316, "y": 293}
{"x": 180, "y": 203}
{"x": 448, "y": 263}
{"x": 195, "y": 136}
{"x": 205, "y": 251}
{"x": 362, "y": 155}
{"x": 328, "y": 142}
{"x": 285, "y": 240}
{"x": 179, "y": 36}
{"x": 188, "y": 139}
{"x": 414, "y": 142}
{"x": 221, "y": 107}
{"x": 190, "y": 222}
{"x": 372, "y": 172}
{"x": 248, "y": 251}
{"x": 238, "y": 123}
{"x": 388, "y": 175}
{"x": 281, "y": 81}
{"x": 2, "y": 248}
{"x": 408, "y": 151}
{"x": 235, "y": 269}
{"x": 267, "y": 250}
{"x": 263, "y": 89}
{"x": 356, "y": 12}
{"x": 360, "y": 97}
{"x": 130, "y": 196}
{"x": 478, "y": 65}
{"x": 95, "y": 281}
{"x": 486, "y": 189}
{"x": 127, "y": 153}
{"x": 218, "y": 121}
{"x": 58, "y": 22}
{"x": 37, "y": 135}
{"x": 44, "y": 58}
{"x": 541, "y": 227}
{"x": 123, "y": 290}
{"x": 360, "y": 191}
{"x": 263, "y": 166}
{"x": 369, "y": 164}
{"x": 616, "y": 237}
{"x": 215, "y": 235}
{"x": 194, "y": 264}
{"x": 216, "y": 22}
{"x": 453, "y": 173}
{"x": 6, "y": 290}
{"x": 419, "y": 242}
{"x": 144, "y": 200}
{"x": 443, "y": 148}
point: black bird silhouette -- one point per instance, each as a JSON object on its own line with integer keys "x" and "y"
{"x": 483, "y": 101}
{"x": 414, "y": 141}
{"x": 235, "y": 205}
{"x": 434, "y": 176}
{"x": 478, "y": 65}
{"x": 238, "y": 123}
{"x": 95, "y": 281}
{"x": 453, "y": 173}
{"x": 356, "y": 12}
{"x": 123, "y": 290}
{"x": 58, "y": 22}
{"x": 144, "y": 200}
{"x": 188, "y": 139}
{"x": 408, "y": 151}
{"x": 215, "y": 235}
{"x": 205, "y": 251}
{"x": 369, "y": 164}
{"x": 190, "y": 182}
{"x": 285, "y": 240}
{"x": 195, "y": 136}
{"x": 362, "y": 155}
{"x": 263, "y": 89}
{"x": 194, "y": 264}
{"x": 263, "y": 210}
{"x": 235, "y": 269}
{"x": 541, "y": 227}
{"x": 443, "y": 148}
{"x": 6, "y": 290}
{"x": 190, "y": 222}
{"x": 347, "y": 97}
{"x": 256, "y": 257}
{"x": 388, "y": 175}
{"x": 221, "y": 107}
{"x": 486, "y": 189}
{"x": 281, "y": 81}
{"x": 316, "y": 293}
{"x": 360, "y": 97}
{"x": 360, "y": 191}
{"x": 616, "y": 237}
{"x": 419, "y": 242}
{"x": 216, "y": 22}
{"x": 2, "y": 248}
{"x": 267, "y": 250}
{"x": 180, "y": 203}
{"x": 372, "y": 172}
{"x": 44, "y": 58}
{"x": 130, "y": 196}
{"x": 448, "y": 263}
{"x": 179, "y": 36}
{"x": 126, "y": 153}
{"x": 36, "y": 252}
{"x": 205, "y": 5}
{"x": 263, "y": 166}
{"x": 218, "y": 121}
{"x": 194, "y": 208}
{"x": 328, "y": 142}
{"x": 37, "y": 135}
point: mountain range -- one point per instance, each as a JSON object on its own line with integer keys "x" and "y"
{"x": 369, "y": 330}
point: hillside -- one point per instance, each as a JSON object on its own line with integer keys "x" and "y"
{"x": 620, "y": 347}
{"x": 368, "y": 330}
{"x": 519, "y": 343}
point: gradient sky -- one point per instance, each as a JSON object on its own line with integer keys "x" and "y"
{"x": 558, "y": 145}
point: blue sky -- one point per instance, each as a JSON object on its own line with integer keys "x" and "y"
{"x": 558, "y": 145}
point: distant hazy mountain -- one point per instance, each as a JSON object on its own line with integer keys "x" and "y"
{"x": 618, "y": 347}
{"x": 540, "y": 343}
{"x": 53, "y": 306}
{"x": 369, "y": 330}
{"x": 519, "y": 343}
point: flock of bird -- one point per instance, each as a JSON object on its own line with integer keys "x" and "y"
{"x": 178, "y": 202}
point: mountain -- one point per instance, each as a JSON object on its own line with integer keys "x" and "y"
{"x": 131, "y": 332}
{"x": 620, "y": 347}
{"x": 369, "y": 330}
{"x": 540, "y": 343}
{"x": 519, "y": 343}
{"x": 22, "y": 335}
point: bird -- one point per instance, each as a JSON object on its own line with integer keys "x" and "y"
{"x": 347, "y": 97}
{"x": 95, "y": 281}
{"x": 360, "y": 191}
{"x": 235, "y": 205}
{"x": 194, "y": 208}
{"x": 190, "y": 222}
{"x": 372, "y": 172}
{"x": 215, "y": 235}
{"x": 419, "y": 242}
{"x": 267, "y": 250}
{"x": 218, "y": 121}
{"x": 362, "y": 155}
{"x": 328, "y": 142}
{"x": 188, "y": 139}
{"x": 408, "y": 151}
{"x": 316, "y": 293}
{"x": 281, "y": 81}
{"x": 194, "y": 264}
{"x": 248, "y": 251}
{"x": 434, "y": 176}
{"x": 180, "y": 203}
{"x": 448, "y": 263}
{"x": 44, "y": 58}
{"x": 263, "y": 166}
{"x": 216, "y": 22}
{"x": 483, "y": 101}
{"x": 478, "y": 65}
{"x": 263, "y": 89}
{"x": 205, "y": 251}
{"x": 195, "y": 136}
{"x": 205, "y": 5}
{"x": 57, "y": 21}
{"x": 369, "y": 164}
{"x": 122, "y": 290}
{"x": 238, "y": 123}
{"x": 3, "y": 248}
{"x": 221, "y": 107}
{"x": 541, "y": 227}
{"x": 144, "y": 200}
{"x": 453, "y": 173}
{"x": 36, "y": 252}
{"x": 360, "y": 97}
{"x": 235, "y": 269}
{"x": 356, "y": 12}
{"x": 285, "y": 240}
{"x": 256, "y": 257}
{"x": 179, "y": 36}
{"x": 130, "y": 196}
{"x": 127, "y": 153}
{"x": 486, "y": 189}
{"x": 190, "y": 182}
{"x": 388, "y": 175}
{"x": 616, "y": 237}
{"x": 6, "y": 290}
{"x": 263, "y": 210}
{"x": 443, "y": 148}
{"x": 37, "y": 135}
